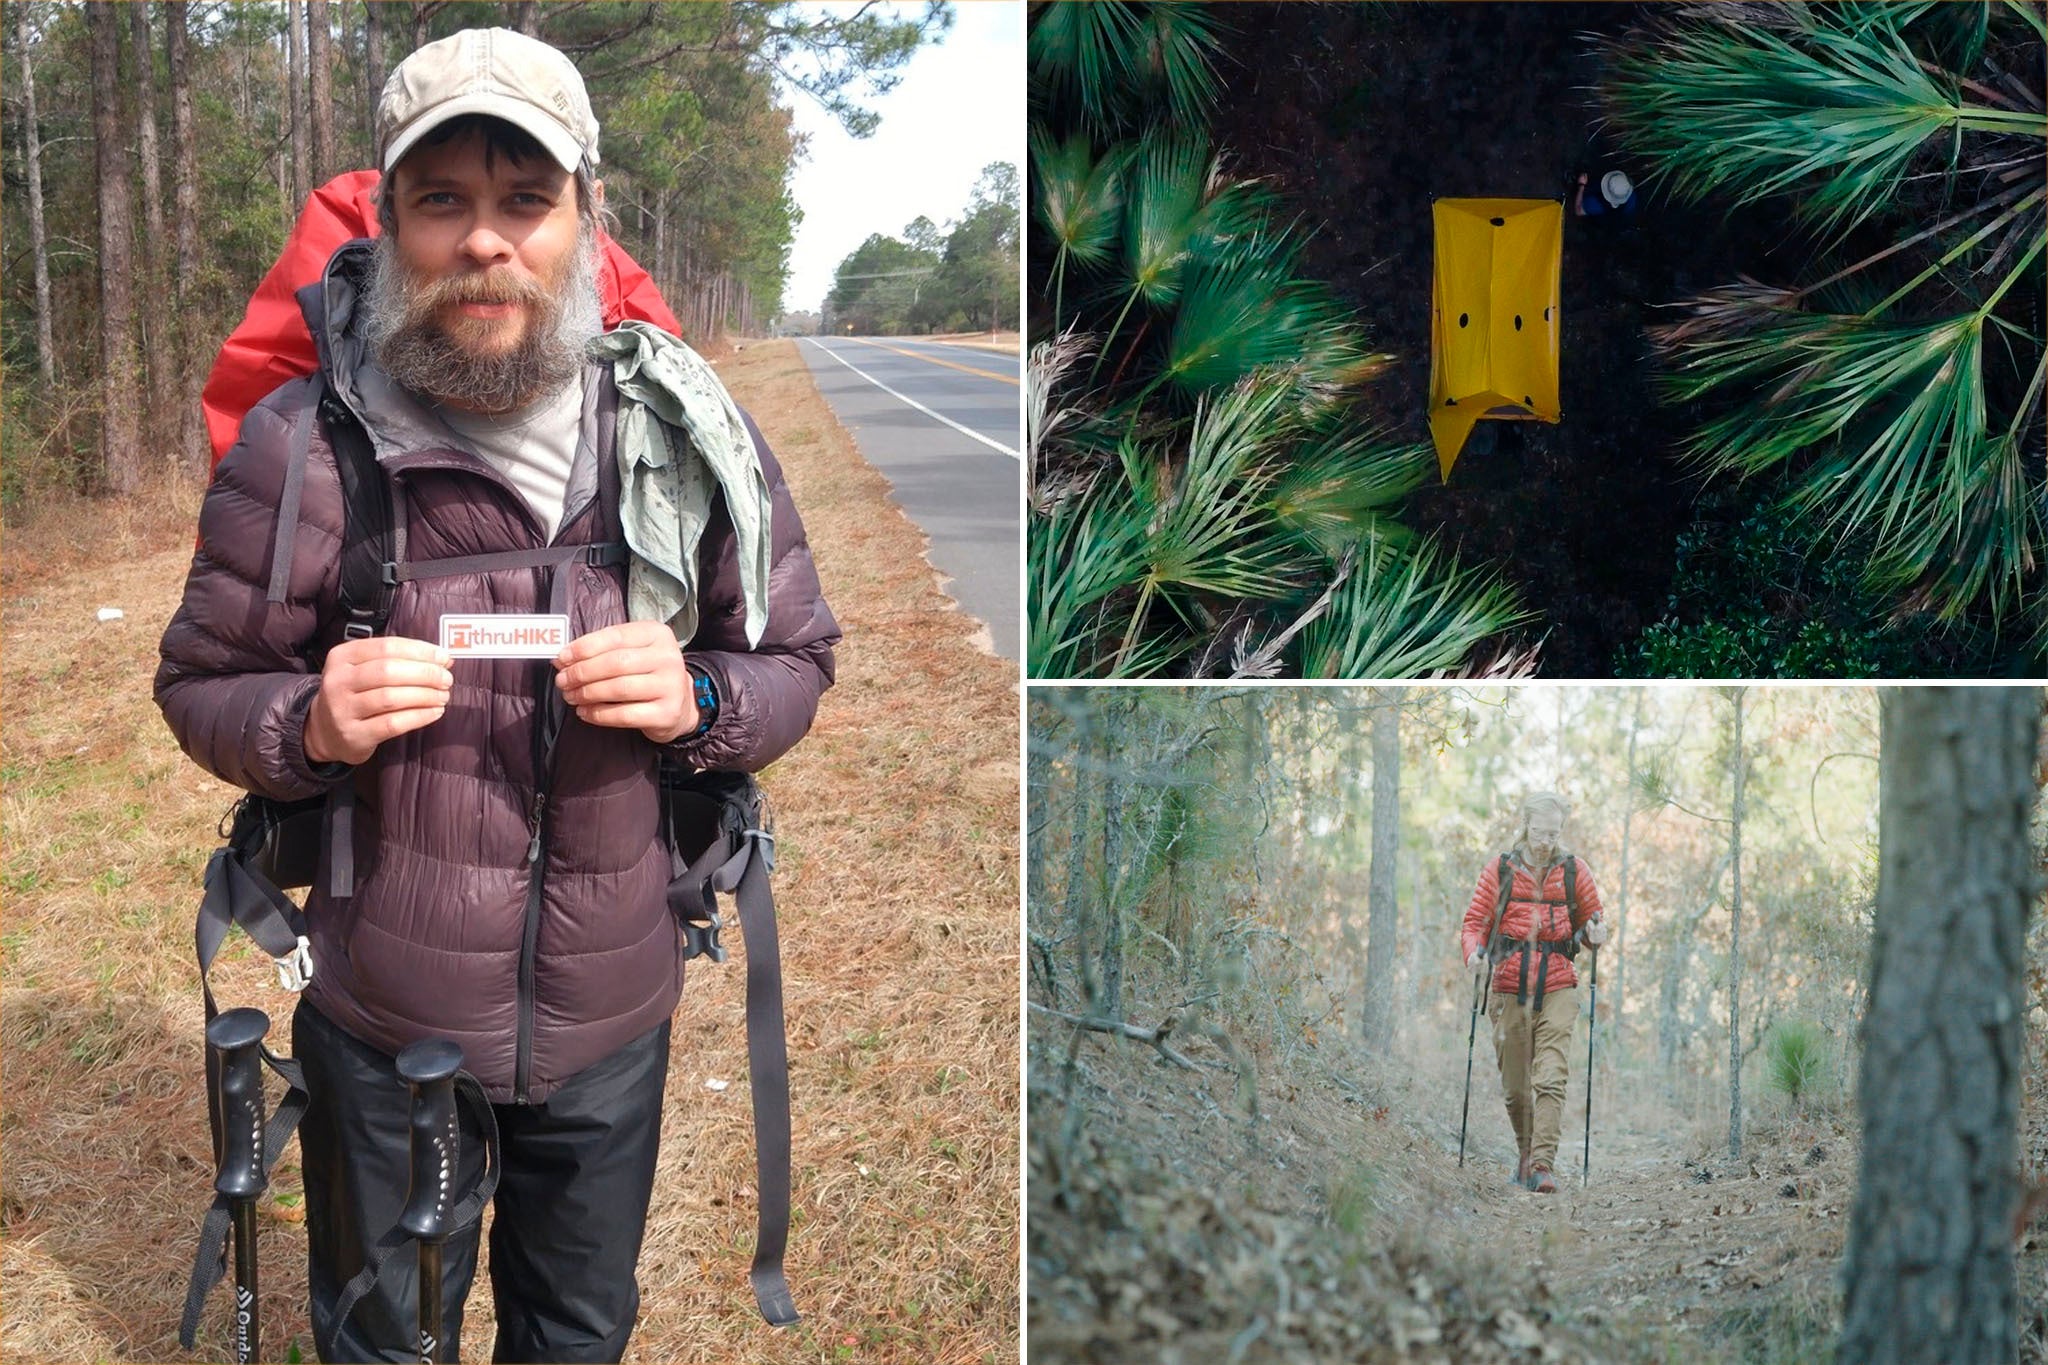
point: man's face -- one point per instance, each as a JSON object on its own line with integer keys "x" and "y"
{"x": 486, "y": 291}
{"x": 1546, "y": 832}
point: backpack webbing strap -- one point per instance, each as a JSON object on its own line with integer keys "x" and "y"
{"x": 767, "y": 1077}
{"x": 286, "y": 535}
{"x": 469, "y": 1093}
{"x": 738, "y": 862}
{"x": 603, "y": 554}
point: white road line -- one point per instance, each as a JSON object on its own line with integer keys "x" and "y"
{"x": 937, "y": 416}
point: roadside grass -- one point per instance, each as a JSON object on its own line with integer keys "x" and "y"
{"x": 896, "y": 886}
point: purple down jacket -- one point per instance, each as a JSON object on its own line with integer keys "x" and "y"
{"x": 538, "y": 969}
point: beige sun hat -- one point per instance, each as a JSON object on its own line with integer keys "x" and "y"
{"x": 494, "y": 71}
{"x": 1615, "y": 188}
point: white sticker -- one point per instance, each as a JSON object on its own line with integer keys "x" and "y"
{"x": 490, "y": 635}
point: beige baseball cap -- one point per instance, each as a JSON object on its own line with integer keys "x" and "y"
{"x": 494, "y": 71}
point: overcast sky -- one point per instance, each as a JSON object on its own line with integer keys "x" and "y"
{"x": 960, "y": 105}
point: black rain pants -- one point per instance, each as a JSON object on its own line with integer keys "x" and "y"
{"x": 576, "y": 1176}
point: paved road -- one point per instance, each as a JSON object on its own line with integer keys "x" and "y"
{"x": 940, "y": 421}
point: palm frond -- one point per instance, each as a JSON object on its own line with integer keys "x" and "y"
{"x": 1416, "y": 614}
{"x": 1249, "y": 311}
{"x": 1080, "y": 197}
{"x": 1212, "y": 530}
{"x": 1337, "y": 488}
{"x": 1166, "y": 191}
{"x": 1178, "y": 48}
{"x": 1081, "y": 59}
{"x": 1081, "y": 553}
{"x": 1894, "y": 418}
{"x": 1834, "y": 111}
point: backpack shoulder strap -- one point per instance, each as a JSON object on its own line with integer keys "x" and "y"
{"x": 1505, "y": 874}
{"x": 369, "y": 519}
{"x": 1571, "y": 885}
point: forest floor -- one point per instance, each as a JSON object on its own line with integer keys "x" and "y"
{"x": 1168, "y": 1226}
{"x": 899, "y": 944}
{"x": 1359, "y": 116}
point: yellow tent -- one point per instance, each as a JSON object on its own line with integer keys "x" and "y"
{"x": 1494, "y": 324}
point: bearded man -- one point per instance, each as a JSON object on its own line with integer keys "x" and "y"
{"x": 1534, "y": 907}
{"x": 500, "y": 877}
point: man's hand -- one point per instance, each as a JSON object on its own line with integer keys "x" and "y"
{"x": 371, "y": 690}
{"x": 1595, "y": 932}
{"x": 1472, "y": 958}
{"x": 630, "y": 677}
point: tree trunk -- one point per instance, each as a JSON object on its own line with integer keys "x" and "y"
{"x": 1928, "y": 1271}
{"x": 1628, "y": 815}
{"x": 526, "y": 18}
{"x": 373, "y": 68}
{"x": 192, "y": 445}
{"x": 1078, "y": 902}
{"x": 1110, "y": 1004}
{"x": 39, "y": 243}
{"x": 320, "y": 93}
{"x": 295, "y": 98}
{"x": 1386, "y": 841}
{"x": 1741, "y": 761}
{"x": 153, "y": 324}
{"x": 120, "y": 441}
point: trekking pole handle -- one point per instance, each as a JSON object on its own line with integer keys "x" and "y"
{"x": 429, "y": 1067}
{"x": 238, "y": 1037}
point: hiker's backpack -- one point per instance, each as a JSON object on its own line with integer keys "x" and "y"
{"x": 1497, "y": 949}
{"x": 274, "y": 846}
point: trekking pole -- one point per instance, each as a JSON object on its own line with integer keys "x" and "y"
{"x": 238, "y": 1037}
{"x": 429, "y": 1067}
{"x": 1592, "y": 1027}
{"x": 1480, "y": 982}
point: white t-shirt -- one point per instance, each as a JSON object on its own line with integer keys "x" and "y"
{"x": 533, "y": 446}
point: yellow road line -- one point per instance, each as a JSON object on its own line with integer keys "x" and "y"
{"x": 949, "y": 364}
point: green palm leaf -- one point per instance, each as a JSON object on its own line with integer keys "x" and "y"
{"x": 1413, "y": 614}
{"x": 1114, "y": 64}
{"x": 1212, "y": 531}
{"x": 1080, "y": 201}
{"x": 1250, "y": 311}
{"x": 1895, "y": 415}
{"x": 1834, "y": 109}
{"x": 1337, "y": 489}
{"x": 1080, "y": 554}
{"x": 1081, "y": 58}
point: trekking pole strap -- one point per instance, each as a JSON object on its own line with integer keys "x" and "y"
{"x": 469, "y": 1093}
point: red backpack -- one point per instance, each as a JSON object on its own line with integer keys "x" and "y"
{"x": 272, "y": 345}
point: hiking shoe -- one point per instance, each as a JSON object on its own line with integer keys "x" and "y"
{"x": 1522, "y": 1171}
{"x": 1540, "y": 1181}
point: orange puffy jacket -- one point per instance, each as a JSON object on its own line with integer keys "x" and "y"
{"x": 272, "y": 345}
{"x": 1535, "y": 911}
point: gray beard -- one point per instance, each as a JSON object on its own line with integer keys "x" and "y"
{"x": 407, "y": 342}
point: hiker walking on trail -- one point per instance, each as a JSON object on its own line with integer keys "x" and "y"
{"x": 1535, "y": 906}
{"x": 494, "y": 869}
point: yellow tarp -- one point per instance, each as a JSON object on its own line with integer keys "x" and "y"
{"x": 1494, "y": 324}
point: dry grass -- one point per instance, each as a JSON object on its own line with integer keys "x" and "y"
{"x": 896, "y": 886}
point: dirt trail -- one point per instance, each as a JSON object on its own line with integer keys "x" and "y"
{"x": 1662, "y": 1253}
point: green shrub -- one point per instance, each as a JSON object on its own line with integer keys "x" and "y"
{"x": 1795, "y": 1060}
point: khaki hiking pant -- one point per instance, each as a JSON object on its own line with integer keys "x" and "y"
{"x": 1531, "y": 1049}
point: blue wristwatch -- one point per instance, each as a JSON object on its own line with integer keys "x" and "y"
{"x": 706, "y": 693}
